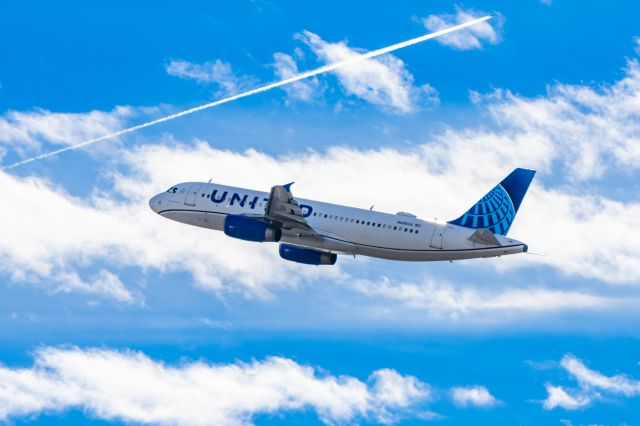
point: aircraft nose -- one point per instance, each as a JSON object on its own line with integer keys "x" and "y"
{"x": 155, "y": 203}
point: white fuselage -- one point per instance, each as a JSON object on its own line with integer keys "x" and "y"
{"x": 344, "y": 229}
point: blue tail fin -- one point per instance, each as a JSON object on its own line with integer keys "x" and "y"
{"x": 497, "y": 210}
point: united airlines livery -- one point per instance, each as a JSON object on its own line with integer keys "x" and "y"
{"x": 314, "y": 233}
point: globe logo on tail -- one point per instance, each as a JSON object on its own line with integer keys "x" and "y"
{"x": 495, "y": 211}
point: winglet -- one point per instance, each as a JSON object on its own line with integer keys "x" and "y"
{"x": 288, "y": 186}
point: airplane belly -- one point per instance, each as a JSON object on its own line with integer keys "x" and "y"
{"x": 438, "y": 243}
{"x": 439, "y": 255}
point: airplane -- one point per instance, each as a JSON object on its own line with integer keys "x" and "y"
{"x": 314, "y": 232}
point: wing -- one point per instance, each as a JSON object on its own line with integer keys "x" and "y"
{"x": 285, "y": 211}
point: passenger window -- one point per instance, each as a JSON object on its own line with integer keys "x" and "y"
{"x": 368, "y": 223}
{"x": 405, "y": 229}
{"x": 395, "y": 227}
{"x": 325, "y": 216}
{"x": 378, "y": 225}
{"x": 416, "y": 232}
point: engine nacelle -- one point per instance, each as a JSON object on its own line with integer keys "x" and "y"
{"x": 307, "y": 256}
{"x": 250, "y": 229}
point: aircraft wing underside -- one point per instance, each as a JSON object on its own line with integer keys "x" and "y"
{"x": 284, "y": 210}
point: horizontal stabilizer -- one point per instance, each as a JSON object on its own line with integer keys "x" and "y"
{"x": 484, "y": 236}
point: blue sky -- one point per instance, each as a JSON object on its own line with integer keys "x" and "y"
{"x": 113, "y": 315}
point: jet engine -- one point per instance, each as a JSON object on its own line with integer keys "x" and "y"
{"x": 307, "y": 256}
{"x": 250, "y": 229}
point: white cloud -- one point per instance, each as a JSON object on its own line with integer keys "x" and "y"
{"x": 582, "y": 132}
{"x": 469, "y": 38}
{"x": 21, "y": 130}
{"x": 464, "y": 302}
{"x": 223, "y": 325}
{"x": 636, "y": 41}
{"x": 216, "y": 72}
{"x": 78, "y": 232}
{"x": 129, "y": 386}
{"x": 393, "y": 391}
{"x": 592, "y": 385}
{"x": 477, "y": 396}
{"x": 383, "y": 81}
{"x": 593, "y": 128}
{"x": 104, "y": 284}
{"x": 591, "y": 236}
{"x": 587, "y": 378}
{"x": 81, "y": 231}
{"x": 303, "y": 90}
{"x": 557, "y": 397}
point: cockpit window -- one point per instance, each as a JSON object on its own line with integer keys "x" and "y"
{"x": 172, "y": 190}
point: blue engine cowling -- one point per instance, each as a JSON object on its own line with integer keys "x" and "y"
{"x": 250, "y": 229}
{"x": 307, "y": 256}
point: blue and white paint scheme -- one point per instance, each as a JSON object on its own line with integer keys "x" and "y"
{"x": 314, "y": 232}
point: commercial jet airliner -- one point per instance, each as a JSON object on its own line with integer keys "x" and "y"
{"x": 314, "y": 232}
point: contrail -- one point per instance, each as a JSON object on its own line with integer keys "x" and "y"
{"x": 322, "y": 70}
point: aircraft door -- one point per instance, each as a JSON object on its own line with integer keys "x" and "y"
{"x": 438, "y": 236}
{"x": 192, "y": 193}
